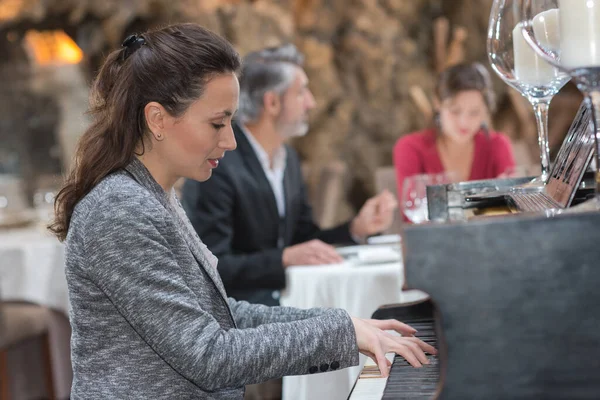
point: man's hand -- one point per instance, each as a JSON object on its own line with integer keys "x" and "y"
{"x": 313, "y": 252}
{"x": 376, "y": 215}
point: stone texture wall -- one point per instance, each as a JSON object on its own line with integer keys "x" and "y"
{"x": 364, "y": 58}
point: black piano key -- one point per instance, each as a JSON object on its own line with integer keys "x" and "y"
{"x": 407, "y": 382}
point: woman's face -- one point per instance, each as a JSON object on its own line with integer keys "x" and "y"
{"x": 195, "y": 142}
{"x": 461, "y": 116}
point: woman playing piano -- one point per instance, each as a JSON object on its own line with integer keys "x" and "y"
{"x": 459, "y": 143}
{"x": 150, "y": 317}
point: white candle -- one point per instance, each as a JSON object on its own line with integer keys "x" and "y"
{"x": 579, "y": 33}
{"x": 531, "y": 69}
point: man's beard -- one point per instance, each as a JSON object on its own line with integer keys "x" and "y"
{"x": 292, "y": 130}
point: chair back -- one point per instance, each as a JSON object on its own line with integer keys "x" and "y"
{"x": 385, "y": 178}
{"x": 326, "y": 190}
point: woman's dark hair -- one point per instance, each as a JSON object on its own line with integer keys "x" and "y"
{"x": 171, "y": 66}
{"x": 464, "y": 77}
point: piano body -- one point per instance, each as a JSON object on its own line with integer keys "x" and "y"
{"x": 515, "y": 299}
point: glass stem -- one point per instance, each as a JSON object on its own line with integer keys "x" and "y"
{"x": 540, "y": 109}
{"x": 594, "y": 99}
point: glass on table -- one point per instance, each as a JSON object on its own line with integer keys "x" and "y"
{"x": 414, "y": 194}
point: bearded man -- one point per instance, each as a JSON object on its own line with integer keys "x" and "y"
{"x": 253, "y": 214}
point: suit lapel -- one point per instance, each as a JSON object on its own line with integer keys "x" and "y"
{"x": 288, "y": 185}
{"x": 256, "y": 170}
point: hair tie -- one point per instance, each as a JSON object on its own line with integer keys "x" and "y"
{"x": 131, "y": 44}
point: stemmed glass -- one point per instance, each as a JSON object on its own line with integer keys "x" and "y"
{"x": 521, "y": 68}
{"x": 414, "y": 194}
{"x": 578, "y": 53}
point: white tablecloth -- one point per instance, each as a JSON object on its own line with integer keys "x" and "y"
{"x": 32, "y": 268}
{"x": 360, "y": 290}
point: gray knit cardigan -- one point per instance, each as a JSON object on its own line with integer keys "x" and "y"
{"x": 150, "y": 316}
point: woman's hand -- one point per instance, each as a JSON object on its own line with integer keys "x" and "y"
{"x": 374, "y": 342}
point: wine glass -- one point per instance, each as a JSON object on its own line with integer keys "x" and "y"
{"x": 43, "y": 203}
{"x": 521, "y": 68}
{"x": 414, "y": 195}
{"x": 578, "y": 52}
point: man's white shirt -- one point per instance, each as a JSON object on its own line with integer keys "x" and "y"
{"x": 273, "y": 171}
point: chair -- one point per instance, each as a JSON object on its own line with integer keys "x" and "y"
{"x": 385, "y": 178}
{"x": 20, "y": 322}
{"x": 326, "y": 191}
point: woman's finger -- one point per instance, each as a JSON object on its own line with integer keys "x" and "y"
{"x": 407, "y": 353}
{"x": 372, "y": 357}
{"x": 393, "y": 325}
{"x": 426, "y": 347}
{"x": 417, "y": 351}
{"x": 382, "y": 363}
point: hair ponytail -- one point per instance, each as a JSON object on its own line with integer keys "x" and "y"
{"x": 172, "y": 68}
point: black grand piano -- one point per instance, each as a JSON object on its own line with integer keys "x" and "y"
{"x": 514, "y": 304}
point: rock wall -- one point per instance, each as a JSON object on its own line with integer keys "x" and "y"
{"x": 371, "y": 63}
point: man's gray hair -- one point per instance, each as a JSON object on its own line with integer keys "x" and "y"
{"x": 270, "y": 69}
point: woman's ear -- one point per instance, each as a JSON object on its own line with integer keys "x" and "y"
{"x": 155, "y": 115}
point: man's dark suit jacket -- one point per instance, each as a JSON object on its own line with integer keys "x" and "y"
{"x": 235, "y": 215}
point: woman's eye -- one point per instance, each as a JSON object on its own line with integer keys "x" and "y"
{"x": 218, "y": 126}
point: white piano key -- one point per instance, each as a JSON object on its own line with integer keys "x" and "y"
{"x": 369, "y": 389}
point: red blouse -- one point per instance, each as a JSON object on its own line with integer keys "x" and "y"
{"x": 417, "y": 153}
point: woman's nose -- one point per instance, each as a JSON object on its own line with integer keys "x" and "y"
{"x": 228, "y": 140}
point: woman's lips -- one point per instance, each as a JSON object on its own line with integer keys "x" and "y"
{"x": 214, "y": 162}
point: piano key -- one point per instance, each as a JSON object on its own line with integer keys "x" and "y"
{"x": 405, "y": 381}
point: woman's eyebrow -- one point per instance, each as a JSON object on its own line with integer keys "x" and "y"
{"x": 225, "y": 113}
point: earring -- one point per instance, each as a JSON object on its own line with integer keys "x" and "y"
{"x": 437, "y": 120}
{"x": 485, "y": 129}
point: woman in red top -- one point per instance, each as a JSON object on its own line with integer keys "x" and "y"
{"x": 460, "y": 142}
